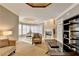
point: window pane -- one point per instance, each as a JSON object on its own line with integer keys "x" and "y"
{"x": 24, "y": 29}
{"x": 28, "y": 28}
{"x": 37, "y": 29}
{"x": 20, "y": 29}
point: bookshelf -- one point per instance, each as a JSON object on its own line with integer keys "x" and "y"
{"x": 71, "y": 34}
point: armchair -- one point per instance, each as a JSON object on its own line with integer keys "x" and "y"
{"x": 37, "y": 38}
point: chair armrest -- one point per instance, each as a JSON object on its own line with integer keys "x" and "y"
{"x": 12, "y": 42}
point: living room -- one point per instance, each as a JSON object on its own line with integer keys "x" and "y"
{"x": 36, "y": 27}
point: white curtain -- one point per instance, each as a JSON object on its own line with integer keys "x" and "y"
{"x": 24, "y": 29}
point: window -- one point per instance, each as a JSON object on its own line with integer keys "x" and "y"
{"x": 37, "y": 29}
{"x": 24, "y": 29}
{"x": 20, "y": 29}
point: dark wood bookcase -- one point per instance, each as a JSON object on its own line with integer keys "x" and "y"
{"x": 71, "y": 34}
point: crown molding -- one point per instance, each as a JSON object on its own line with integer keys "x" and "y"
{"x": 68, "y": 9}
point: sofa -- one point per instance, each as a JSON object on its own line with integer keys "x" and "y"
{"x": 7, "y": 47}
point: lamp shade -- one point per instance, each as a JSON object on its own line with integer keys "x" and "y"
{"x": 1, "y": 33}
{"x": 7, "y": 33}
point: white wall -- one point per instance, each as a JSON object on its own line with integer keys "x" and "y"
{"x": 59, "y": 32}
{"x": 9, "y": 21}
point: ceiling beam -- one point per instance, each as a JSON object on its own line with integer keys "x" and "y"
{"x": 68, "y": 9}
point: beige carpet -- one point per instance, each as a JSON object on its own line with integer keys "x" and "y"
{"x": 26, "y": 49}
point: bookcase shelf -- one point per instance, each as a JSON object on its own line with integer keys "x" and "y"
{"x": 72, "y": 23}
{"x": 69, "y": 26}
{"x": 74, "y": 39}
{"x": 74, "y": 31}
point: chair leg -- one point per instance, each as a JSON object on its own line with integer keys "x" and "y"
{"x": 47, "y": 52}
{"x": 13, "y": 51}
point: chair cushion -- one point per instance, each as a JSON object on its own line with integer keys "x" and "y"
{"x": 36, "y": 39}
{"x": 4, "y": 43}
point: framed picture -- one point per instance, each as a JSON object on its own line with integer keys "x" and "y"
{"x": 48, "y": 33}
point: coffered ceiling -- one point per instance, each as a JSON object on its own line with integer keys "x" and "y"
{"x": 38, "y": 15}
{"x": 38, "y": 5}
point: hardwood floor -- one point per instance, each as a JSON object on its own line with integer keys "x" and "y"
{"x": 27, "y": 49}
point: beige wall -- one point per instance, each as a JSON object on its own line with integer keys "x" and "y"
{"x": 49, "y": 26}
{"x": 9, "y": 21}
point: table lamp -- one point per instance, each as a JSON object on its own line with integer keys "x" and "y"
{"x": 7, "y": 33}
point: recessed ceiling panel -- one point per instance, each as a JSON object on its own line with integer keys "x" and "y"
{"x": 38, "y": 5}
